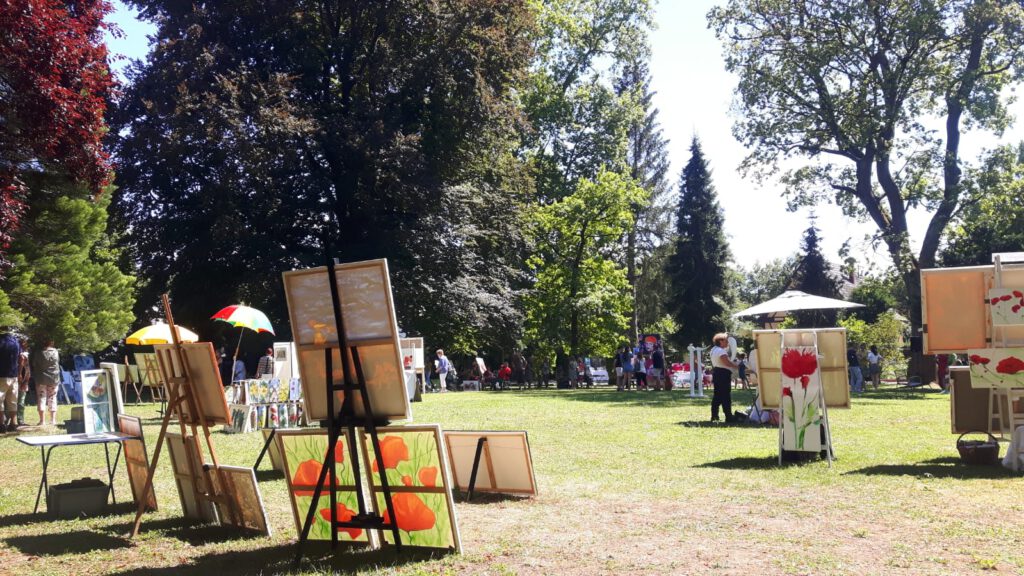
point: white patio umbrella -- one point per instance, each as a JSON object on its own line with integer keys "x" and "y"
{"x": 793, "y": 300}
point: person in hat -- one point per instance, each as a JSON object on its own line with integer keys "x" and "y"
{"x": 721, "y": 377}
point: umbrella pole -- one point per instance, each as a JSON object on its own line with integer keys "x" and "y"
{"x": 241, "y": 331}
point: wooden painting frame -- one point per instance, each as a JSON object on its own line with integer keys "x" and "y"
{"x": 273, "y": 450}
{"x": 207, "y": 389}
{"x": 189, "y": 482}
{"x": 968, "y": 406}
{"x": 369, "y": 316}
{"x": 461, "y": 447}
{"x": 297, "y": 447}
{"x": 239, "y": 484}
{"x": 834, "y": 371}
{"x": 412, "y": 495}
{"x": 136, "y": 459}
{"x": 99, "y": 412}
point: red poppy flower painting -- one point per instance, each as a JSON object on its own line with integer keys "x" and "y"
{"x": 1007, "y": 306}
{"x": 413, "y": 515}
{"x": 797, "y": 363}
{"x": 305, "y": 478}
{"x": 1010, "y": 365}
{"x": 428, "y": 476}
{"x": 342, "y": 514}
{"x": 997, "y": 367}
{"x": 392, "y": 450}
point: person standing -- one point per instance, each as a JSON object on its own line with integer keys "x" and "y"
{"x": 627, "y": 366}
{"x": 721, "y": 377}
{"x": 46, "y": 371}
{"x": 519, "y": 365}
{"x": 875, "y": 366}
{"x": 266, "y": 364}
{"x": 24, "y": 375}
{"x": 442, "y": 365}
{"x": 856, "y": 375}
{"x": 657, "y": 371}
{"x": 10, "y": 362}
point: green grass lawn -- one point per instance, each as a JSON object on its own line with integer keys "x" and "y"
{"x": 634, "y": 482}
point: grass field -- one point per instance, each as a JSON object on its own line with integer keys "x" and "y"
{"x": 631, "y": 483}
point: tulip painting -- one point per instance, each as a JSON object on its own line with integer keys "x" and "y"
{"x": 1007, "y": 306}
{"x": 414, "y": 462}
{"x": 997, "y": 367}
{"x": 801, "y": 388}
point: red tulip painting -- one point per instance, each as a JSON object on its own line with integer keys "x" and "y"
{"x": 801, "y": 387}
{"x": 1007, "y": 306}
{"x": 997, "y": 367}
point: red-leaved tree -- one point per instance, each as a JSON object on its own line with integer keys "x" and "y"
{"x": 54, "y": 86}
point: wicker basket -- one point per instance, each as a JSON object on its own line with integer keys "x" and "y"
{"x": 978, "y": 452}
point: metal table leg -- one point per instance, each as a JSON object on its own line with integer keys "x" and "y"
{"x": 43, "y": 482}
{"x": 112, "y": 471}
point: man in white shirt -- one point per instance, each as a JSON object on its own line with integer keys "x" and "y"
{"x": 721, "y": 377}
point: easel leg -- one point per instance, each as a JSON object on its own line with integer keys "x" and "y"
{"x": 266, "y": 446}
{"x": 152, "y": 470}
{"x": 332, "y": 440}
{"x": 476, "y": 466}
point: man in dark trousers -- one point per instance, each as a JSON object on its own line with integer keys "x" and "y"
{"x": 721, "y": 377}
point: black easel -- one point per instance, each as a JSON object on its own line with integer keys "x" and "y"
{"x": 346, "y": 418}
{"x": 266, "y": 446}
{"x": 476, "y": 466}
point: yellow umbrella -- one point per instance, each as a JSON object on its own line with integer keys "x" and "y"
{"x": 160, "y": 334}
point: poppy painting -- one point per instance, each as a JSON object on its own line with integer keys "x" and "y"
{"x": 303, "y": 453}
{"x": 416, "y": 468}
{"x": 1007, "y": 306}
{"x": 997, "y": 367}
{"x": 801, "y": 391}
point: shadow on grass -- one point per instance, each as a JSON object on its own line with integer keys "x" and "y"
{"x": 280, "y": 559}
{"x": 723, "y": 424}
{"x": 77, "y": 542}
{"x": 268, "y": 474}
{"x": 945, "y": 467}
{"x": 484, "y": 498}
{"x": 659, "y": 398}
{"x": 744, "y": 463}
{"x": 188, "y": 530}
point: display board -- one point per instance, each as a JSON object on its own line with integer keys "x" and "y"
{"x": 417, "y": 471}
{"x": 368, "y": 313}
{"x": 285, "y": 366}
{"x": 148, "y": 369}
{"x": 412, "y": 353}
{"x": 506, "y": 465}
{"x": 1007, "y": 305}
{"x": 246, "y": 508}
{"x": 99, "y": 401}
{"x": 997, "y": 367}
{"x": 136, "y": 460}
{"x": 206, "y": 384}
{"x": 189, "y": 481}
{"x": 257, "y": 404}
{"x": 968, "y": 405}
{"x": 834, "y": 373}
{"x": 958, "y": 312}
{"x": 302, "y": 456}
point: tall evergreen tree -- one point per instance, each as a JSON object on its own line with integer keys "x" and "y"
{"x": 647, "y": 159}
{"x": 698, "y": 267}
{"x": 814, "y": 276}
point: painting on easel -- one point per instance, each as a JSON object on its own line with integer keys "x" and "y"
{"x": 997, "y": 367}
{"x": 801, "y": 398}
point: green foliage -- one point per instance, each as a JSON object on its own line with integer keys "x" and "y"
{"x": 847, "y": 85}
{"x": 994, "y": 219}
{"x": 762, "y": 282}
{"x": 65, "y": 283}
{"x": 698, "y": 267}
{"x": 886, "y": 333}
{"x": 580, "y": 299}
{"x": 814, "y": 276}
{"x": 256, "y": 131}
{"x": 878, "y": 295}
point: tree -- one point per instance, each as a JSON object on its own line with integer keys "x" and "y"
{"x": 766, "y": 281}
{"x": 647, "y": 158}
{"x": 54, "y": 85}
{"x": 65, "y": 283}
{"x": 698, "y": 267}
{"x": 581, "y": 296}
{"x": 848, "y": 86}
{"x": 993, "y": 221}
{"x": 878, "y": 295}
{"x": 390, "y": 128}
{"x": 814, "y": 276}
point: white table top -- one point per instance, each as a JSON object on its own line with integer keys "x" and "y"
{"x": 71, "y": 439}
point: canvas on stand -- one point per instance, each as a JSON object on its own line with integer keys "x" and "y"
{"x": 136, "y": 461}
{"x": 997, "y": 367}
{"x": 801, "y": 397}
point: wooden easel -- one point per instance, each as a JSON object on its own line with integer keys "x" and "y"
{"x": 1000, "y": 400}
{"x": 128, "y": 379}
{"x": 822, "y": 407}
{"x": 180, "y": 392}
{"x": 345, "y": 421}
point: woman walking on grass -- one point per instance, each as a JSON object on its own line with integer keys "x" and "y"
{"x": 875, "y": 366}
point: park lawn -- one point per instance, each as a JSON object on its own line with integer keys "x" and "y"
{"x": 630, "y": 483}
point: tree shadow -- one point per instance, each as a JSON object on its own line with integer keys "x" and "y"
{"x": 77, "y": 542}
{"x": 317, "y": 557}
{"x": 268, "y": 474}
{"x": 943, "y": 467}
{"x": 484, "y": 498}
{"x": 656, "y": 398}
{"x": 723, "y": 424}
{"x": 24, "y": 519}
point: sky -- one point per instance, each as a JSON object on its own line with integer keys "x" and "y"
{"x": 693, "y": 94}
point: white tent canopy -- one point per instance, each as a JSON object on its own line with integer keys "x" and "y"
{"x": 793, "y": 300}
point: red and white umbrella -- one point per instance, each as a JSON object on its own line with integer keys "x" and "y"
{"x": 244, "y": 317}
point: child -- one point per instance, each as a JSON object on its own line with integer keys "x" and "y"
{"x": 742, "y": 362}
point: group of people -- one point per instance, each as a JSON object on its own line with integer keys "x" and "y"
{"x": 863, "y": 365}
{"x": 646, "y": 368}
{"x": 20, "y": 368}
{"x": 235, "y": 370}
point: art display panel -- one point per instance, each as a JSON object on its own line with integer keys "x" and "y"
{"x": 801, "y": 391}
{"x": 1007, "y": 305}
{"x": 246, "y": 509}
{"x": 302, "y": 455}
{"x": 412, "y": 353}
{"x": 417, "y": 471}
{"x": 201, "y": 361}
{"x": 368, "y": 313}
{"x": 190, "y": 481}
{"x": 136, "y": 460}
{"x": 997, "y": 367}
{"x": 506, "y": 465}
{"x": 968, "y": 405}
{"x": 834, "y": 373}
{"x": 99, "y": 402}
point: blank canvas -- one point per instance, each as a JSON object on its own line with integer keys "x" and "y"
{"x": 506, "y": 465}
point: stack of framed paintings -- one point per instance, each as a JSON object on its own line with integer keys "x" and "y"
{"x": 257, "y": 404}
{"x": 190, "y": 477}
{"x": 136, "y": 460}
